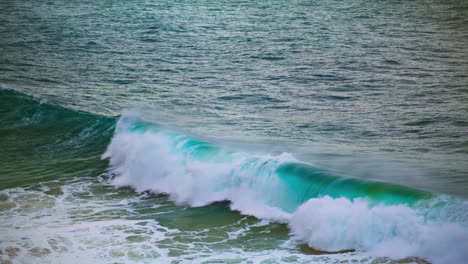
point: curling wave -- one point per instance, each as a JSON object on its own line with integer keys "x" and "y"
{"x": 327, "y": 211}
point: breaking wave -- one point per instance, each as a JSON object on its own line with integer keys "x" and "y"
{"x": 329, "y": 212}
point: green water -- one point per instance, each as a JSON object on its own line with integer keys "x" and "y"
{"x": 246, "y": 118}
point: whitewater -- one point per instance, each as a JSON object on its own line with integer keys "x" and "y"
{"x": 328, "y": 212}
{"x": 272, "y": 131}
{"x": 186, "y": 189}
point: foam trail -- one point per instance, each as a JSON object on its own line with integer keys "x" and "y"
{"x": 328, "y": 211}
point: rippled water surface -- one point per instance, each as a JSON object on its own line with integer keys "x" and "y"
{"x": 376, "y": 90}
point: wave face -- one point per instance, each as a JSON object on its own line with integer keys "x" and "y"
{"x": 43, "y": 141}
{"x": 327, "y": 211}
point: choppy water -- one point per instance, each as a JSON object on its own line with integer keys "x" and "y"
{"x": 261, "y": 129}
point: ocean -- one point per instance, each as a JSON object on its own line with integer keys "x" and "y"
{"x": 147, "y": 131}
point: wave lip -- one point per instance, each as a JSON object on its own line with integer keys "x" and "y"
{"x": 329, "y": 212}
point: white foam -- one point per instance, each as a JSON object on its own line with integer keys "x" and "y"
{"x": 151, "y": 160}
{"x": 64, "y": 228}
{"x": 395, "y": 231}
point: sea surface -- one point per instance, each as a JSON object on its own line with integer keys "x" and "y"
{"x": 273, "y": 131}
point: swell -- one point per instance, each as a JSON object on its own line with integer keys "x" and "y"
{"x": 43, "y": 141}
{"x": 330, "y": 212}
{"x": 300, "y": 181}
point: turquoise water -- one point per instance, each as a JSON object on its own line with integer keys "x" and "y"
{"x": 233, "y": 131}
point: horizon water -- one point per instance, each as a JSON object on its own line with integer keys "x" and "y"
{"x": 233, "y": 131}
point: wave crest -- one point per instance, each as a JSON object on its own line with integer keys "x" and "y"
{"x": 327, "y": 211}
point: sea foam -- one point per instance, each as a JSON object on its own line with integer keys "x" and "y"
{"x": 397, "y": 231}
{"x": 148, "y": 157}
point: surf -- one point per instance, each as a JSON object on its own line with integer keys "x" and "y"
{"x": 328, "y": 211}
